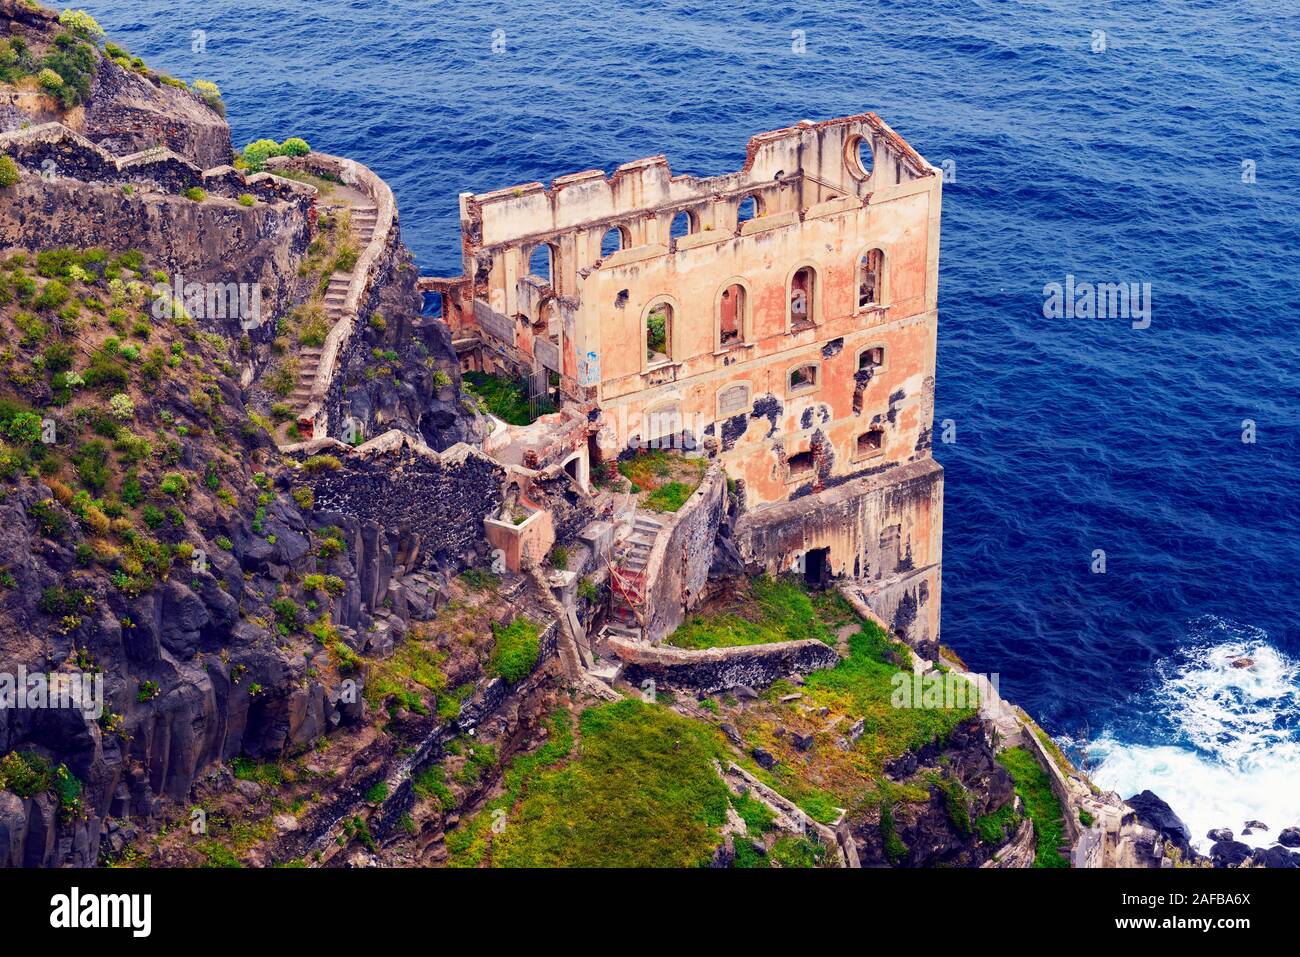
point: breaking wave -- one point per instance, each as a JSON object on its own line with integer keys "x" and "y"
{"x": 1221, "y": 743}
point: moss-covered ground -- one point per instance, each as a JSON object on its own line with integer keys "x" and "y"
{"x": 757, "y": 612}
{"x": 1041, "y": 804}
{"x": 637, "y": 788}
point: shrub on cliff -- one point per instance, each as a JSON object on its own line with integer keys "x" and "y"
{"x": 322, "y": 463}
{"x": 121, "y": 407}
{"x": 75, "y": 62}
{"x": 20, "y": 425}
{"x": 256, "y": 153}
{"x": 8, "y": 172}
{"x": 82, "y": 24}
{"x": 208, "y": 92}
{"x": 26, "y": 774}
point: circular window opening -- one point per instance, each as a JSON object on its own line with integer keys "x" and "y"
{"x": 858, "y": 156}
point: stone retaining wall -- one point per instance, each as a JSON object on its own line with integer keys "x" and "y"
{"x": 711, "y": 670}
{"x": 440, "y": 497}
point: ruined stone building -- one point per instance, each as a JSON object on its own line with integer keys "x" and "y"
{"x": 781, "y": 319}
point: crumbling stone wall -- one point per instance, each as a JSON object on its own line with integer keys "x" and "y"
{"x": 884, "y": 531}
{"x": 679, "y": 566}
{"x": 216, "y": 241}
{"x": 711, "y": 670}
{"x": 441, "y": 498}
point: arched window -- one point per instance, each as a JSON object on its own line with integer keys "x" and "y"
{"x": 734, "y": 399}
{"x": 799, "y": 464}
{"x": 541, "y": 263}
{"x": 871, "y": 277}
{"x": 615, "y": 238}
{"x": 751, "y": 207}
{"x": 731, "y": 316}
{"x": 803, "y": 299}
{"x": 658, "y": 333}
{"x": 683, "y": 224}
{"x": 804, "y": 377}
{"x": 871, "y": 442}
{"x": 872, "y": 358}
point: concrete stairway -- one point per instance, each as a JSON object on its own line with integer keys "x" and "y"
{"x": 364, "y": 219}
{"x": 632, "y": 558}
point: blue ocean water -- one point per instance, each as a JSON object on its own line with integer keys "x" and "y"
{"x": 1123, "y": 164}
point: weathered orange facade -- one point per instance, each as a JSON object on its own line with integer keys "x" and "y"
{"x": 781, "y": 318}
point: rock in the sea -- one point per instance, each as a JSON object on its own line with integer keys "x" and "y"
{"x": 1274, "y": 857}
{"x": 1243, "y": 663}
{"x": 1229, "y": 853}
{"x": 1152, "y": 811}
{"x": 1252, "y": 826}
{"x": 1289, "y": 837}
{"x": 1220, "y": 834}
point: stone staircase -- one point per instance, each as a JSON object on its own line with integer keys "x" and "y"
{"x": 631, "y": 560}
{"x": 364, "y": 220}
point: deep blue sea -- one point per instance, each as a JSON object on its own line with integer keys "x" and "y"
{"x": 1123, "y": 164}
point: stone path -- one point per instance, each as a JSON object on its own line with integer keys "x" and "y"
{"x": 632, "y": 558}
{"x": 365, "y": 216}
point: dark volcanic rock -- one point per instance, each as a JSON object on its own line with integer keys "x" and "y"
{"x": 1152, "y": 811}
{"x": 127, "y": 113}
{"x": 1229, "y": 853}
{"x": 1289, "y": 837}
{"x": 1275, "y": 857}
{"x": 932, "y": 834}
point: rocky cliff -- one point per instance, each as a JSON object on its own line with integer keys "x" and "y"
{"x": 126, "y": 108}
{"x": 151, "y": 535}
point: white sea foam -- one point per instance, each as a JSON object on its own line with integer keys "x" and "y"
{"x": 1227, "y": 748}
